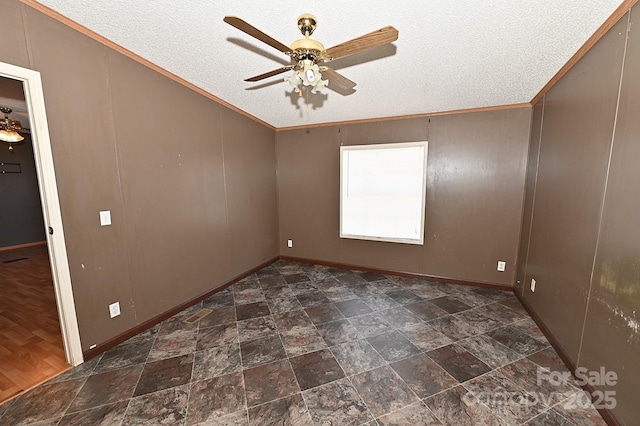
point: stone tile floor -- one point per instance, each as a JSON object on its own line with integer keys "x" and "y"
{"x": 298, "y": 344}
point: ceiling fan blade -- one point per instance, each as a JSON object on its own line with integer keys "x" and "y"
{"x": 254, "y": 32}
{"x": 368, "y": 41}
{"x": 270, "y": 73}
{"x": 337, "y": 80}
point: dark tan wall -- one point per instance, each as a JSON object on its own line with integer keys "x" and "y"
{"x": 612, "y": 327}
{"x": 533, "y": 159}
{"x": 584, "y": 246}
{"x": 21, "y": 213}
{"x": 475, "y": 187}
{"x": 191, "y": 185}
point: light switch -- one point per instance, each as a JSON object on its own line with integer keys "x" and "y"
{"x": 105, "y": 218}
{"x": 114, "y": 309}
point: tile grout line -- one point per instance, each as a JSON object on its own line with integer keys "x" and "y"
{"x": 289, "y": 362}
{"x": 511, "y": 318}
{"x": 345, "y": 375}
{"x": 193, "y": 366}
{"x": 387, "y": 363}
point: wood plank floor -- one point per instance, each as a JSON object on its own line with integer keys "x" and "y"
{"x": 31, "y": 349}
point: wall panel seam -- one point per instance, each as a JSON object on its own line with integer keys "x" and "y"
{"x": 533, "y": 199}
{"x": 224, "y": 177}
{"x": 423, "y": 258}
{"x": 27, "y": 37}
{"x": 125, "y": 223}
{"x": 605, "y": 189}
{"x": 277, "y": 171}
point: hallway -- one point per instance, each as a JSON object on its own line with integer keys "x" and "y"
{"x": 31, "y": 348}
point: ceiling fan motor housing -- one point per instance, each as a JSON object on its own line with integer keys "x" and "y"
{"x": 306, "y": 49}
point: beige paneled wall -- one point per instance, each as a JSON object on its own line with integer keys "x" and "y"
{"x": 578, "y": 121}
{"x": 15, "y": 49}
{"x": 476, "y": 172}
{"x": 82, "y": 130}
{"x": 308, "y": 184}
{"x": 185, "y": 178}
{"x": 252, "y": 201}
{"x": 612, "y": 328}
{"x": 533, "y": 159}
{"x": 584, "y": 246}
{"x": 170, "y": 155}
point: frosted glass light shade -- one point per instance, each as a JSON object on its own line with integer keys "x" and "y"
{"x": 308, "y": 74}
{"x": 294, "y": 81}
{"x": 10, "y": 136}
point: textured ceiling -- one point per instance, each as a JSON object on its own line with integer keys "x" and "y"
{"x": 450, "y": 55}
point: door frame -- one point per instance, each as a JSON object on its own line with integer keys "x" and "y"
{"x": 34, "y": 98}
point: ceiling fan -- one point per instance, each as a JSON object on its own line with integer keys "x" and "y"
{"x": 9, "y": 128}
{"x": 308, "y": 56}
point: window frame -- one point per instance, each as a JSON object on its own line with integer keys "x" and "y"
{"x": 345, "y": 179}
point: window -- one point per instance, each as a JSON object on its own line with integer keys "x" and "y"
{"x": 382, "y": 192}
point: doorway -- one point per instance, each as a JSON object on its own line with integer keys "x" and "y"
{"x": 31, "y": 348}
{"x": 56, "y": 248}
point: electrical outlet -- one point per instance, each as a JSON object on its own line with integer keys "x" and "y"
{"x": 533, "y": 285}
{"x": 501, "y": 265}
{"x": 289, "y": 243}
{"x": 114, "y": 309}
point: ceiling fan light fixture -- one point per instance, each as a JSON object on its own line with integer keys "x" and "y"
{"x": 10, "y": 136}
{"x": 319, "y": 86}
{"x": 8, "y": 127}
{"x": 307, "y": 74}
{"x": 294, "y": 81}
{"x": 310, "y": 76}
{"x": 310, "y": 73}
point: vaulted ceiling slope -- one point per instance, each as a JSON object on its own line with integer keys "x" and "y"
{"x": 450, "y": 55}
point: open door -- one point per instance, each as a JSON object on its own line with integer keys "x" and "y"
{"x": 34, "y": 98}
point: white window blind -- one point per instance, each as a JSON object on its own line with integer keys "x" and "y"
{"x": 382, "y": 192}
